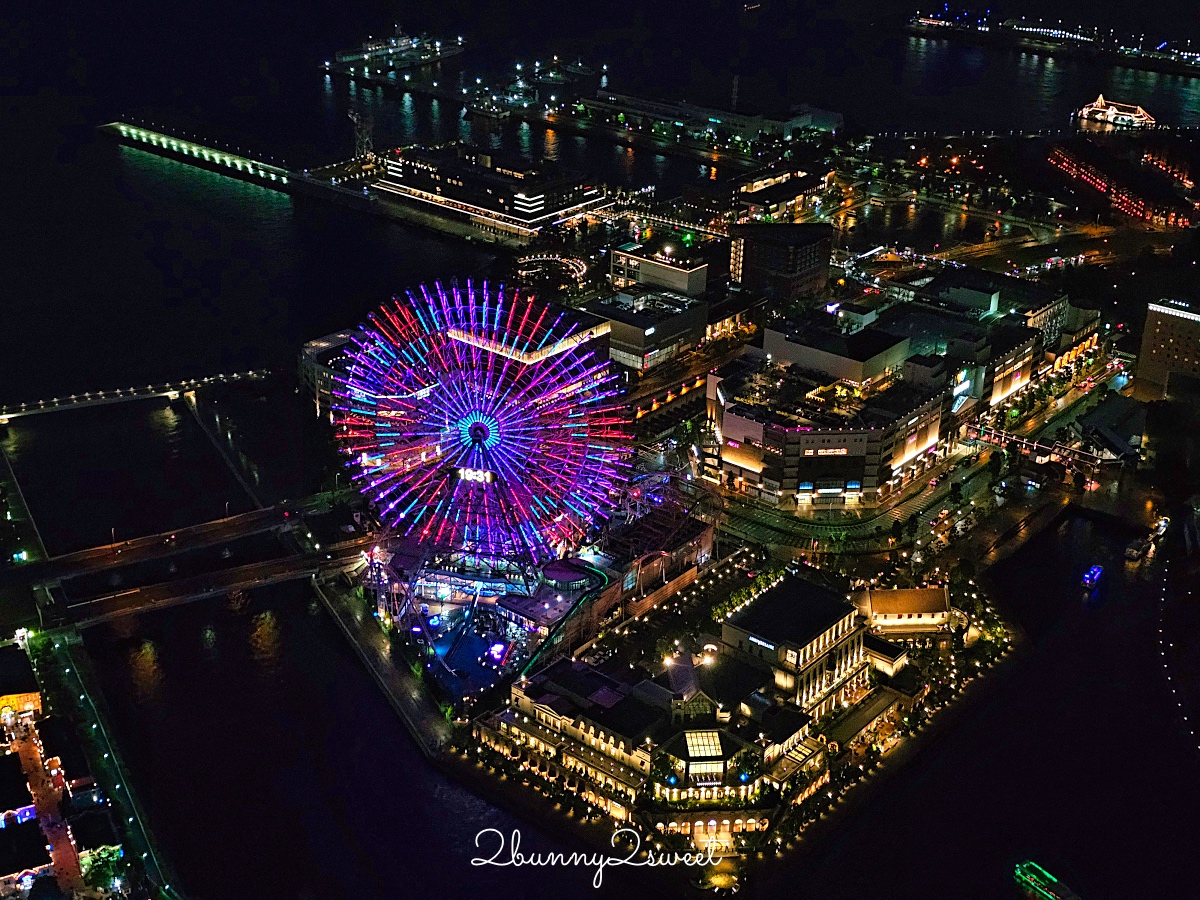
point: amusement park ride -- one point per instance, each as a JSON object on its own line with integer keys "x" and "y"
{"x": 486, "y": 429}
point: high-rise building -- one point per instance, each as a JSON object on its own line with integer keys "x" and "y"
{"x": 785, "y": 262}
{"x": 1170, "y": 346}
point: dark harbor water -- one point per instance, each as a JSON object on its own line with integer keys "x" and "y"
{"x": 120, "y": 471}
{"x": 271, "y": 766}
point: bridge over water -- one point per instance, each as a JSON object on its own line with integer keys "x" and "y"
{"x": 171, "y": 390}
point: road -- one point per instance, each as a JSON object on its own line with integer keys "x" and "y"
{"x": 240, "y": 578}
{"x": 154, "y": 546}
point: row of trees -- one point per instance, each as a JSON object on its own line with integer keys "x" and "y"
{"x": 742, "y": 596}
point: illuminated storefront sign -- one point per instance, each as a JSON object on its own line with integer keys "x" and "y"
{"x": 832, "y": 451}
{"x": 761, "y": 642}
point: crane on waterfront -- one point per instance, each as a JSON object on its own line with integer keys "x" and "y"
{"x": 364, "y": 142}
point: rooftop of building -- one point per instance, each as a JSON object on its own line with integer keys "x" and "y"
{"x": 784, "y": 192}
{"x": 860, "y": 346}
{"x": 644, "y": 309}
{"x": 578, "y": 690}
{"x": 862, "y": 716}
{"x": 800, "y": 234}
{"x": 16, "y": 672}
{"x": 908, "y": 601}
{"x": 776, "y": 722}
{"x": 1007, "y": 334}
{"x": 666, "y": 526}
{"x": 925, "y": 326}
{"x": 629, "y": 717}
{"x": 484, "y": 166}
{"x": 22, "y": 847}
{"x": 14, "y": 788}
{"x": 899, "y": 400}
{"x": 790, "y": 397}
{"x": 873, "y": 643}
{"x": 59, "y": 739}
{"x": 94, "y": 829}
{"x": 728, "y": 680}
{"x": 724, "y": 304}
{"x": 1176, "y": 307}
{"x": 327, "y": 350}
{"x": 796, "y": 611}
{"x": 927, "y": 360}
{"x": 1015, "y": 293}
{"x": 699, "y": 744}
{"x": 1118, "y": 422}
{"x": 667, "y": 250}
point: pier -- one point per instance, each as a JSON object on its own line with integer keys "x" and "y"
{"x": 327, "y": 182}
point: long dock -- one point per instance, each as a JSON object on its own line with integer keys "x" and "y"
{"x": 355, "y": 194}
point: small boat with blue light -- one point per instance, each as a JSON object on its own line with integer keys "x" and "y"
{"x": 1092, "y": 576}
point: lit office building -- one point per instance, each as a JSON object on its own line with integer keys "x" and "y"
{"x": 513, "y": 198}
{"x": 647, "y": 328}
{"x": 660, "y": 262}
{"x": 1170, "y": 347}
{"x": 784, "y": 262}
{"x": 788, "y": 435}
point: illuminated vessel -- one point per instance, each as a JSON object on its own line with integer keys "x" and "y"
{"x": 1037, "y": 882}
{"x": 1092, "y": 576}
{"x": 1122, "y": 115}
{"x": 400, "y": 51}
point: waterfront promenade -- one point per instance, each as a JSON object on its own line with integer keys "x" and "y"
{"x": 420, "y": 715}
{"x": 64, "y": 672}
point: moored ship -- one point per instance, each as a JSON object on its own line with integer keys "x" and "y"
{"x": 400, "y": 51}
{"x": 1121, "y": 115}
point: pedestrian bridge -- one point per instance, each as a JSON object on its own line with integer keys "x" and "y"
{"x": 171, "y": 390}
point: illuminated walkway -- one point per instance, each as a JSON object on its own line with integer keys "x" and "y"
{"x": 170, "y": 390}
{"x": 47, "y": 799}
{"x": 211, "y": 155}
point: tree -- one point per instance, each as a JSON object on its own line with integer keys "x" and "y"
{"x": 956, "y": 490}
{"x": 897, "y": 530}
{"x": 46, "y": 888}
{"x": 995, "y": 464}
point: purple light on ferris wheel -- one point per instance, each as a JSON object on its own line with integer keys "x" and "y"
{"x": 482, "y": 422}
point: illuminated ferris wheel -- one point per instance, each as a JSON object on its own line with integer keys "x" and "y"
{"x": 483, "y": 423}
